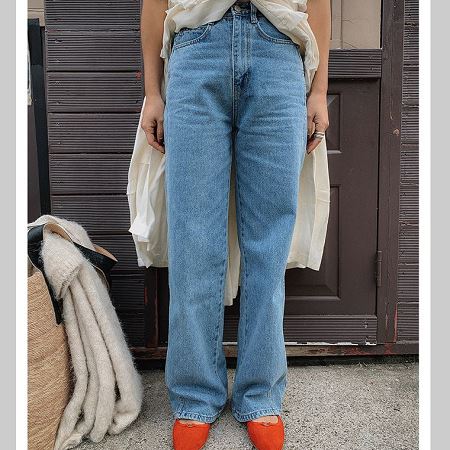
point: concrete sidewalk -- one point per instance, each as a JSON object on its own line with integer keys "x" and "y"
{"x": 349, "y": 407}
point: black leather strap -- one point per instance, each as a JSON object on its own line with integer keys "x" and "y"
{"x": 98, "y": 260}
{"x": 35, "y": 236}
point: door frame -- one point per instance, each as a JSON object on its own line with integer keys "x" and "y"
{"x": 392, "y": 27}
{"x": 36, "y": 43}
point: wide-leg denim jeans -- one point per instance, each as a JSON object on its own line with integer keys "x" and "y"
{"x": 235, "y": 89}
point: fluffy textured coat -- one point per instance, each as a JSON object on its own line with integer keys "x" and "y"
{"x": 100, "y": 356}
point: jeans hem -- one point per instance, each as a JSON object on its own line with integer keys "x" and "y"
{"x": 255, "y": 414}
{"x": 197, "y": 416}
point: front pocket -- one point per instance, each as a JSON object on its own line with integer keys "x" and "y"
{"x": 270, "y": 32}
{"x": 188, "y": 36}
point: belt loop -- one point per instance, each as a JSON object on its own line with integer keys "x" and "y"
{"x": 253, "y": 10}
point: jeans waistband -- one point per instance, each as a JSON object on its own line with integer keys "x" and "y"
{"x": 243, "y": 9}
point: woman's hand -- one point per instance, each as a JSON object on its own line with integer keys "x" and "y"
{"x": 317, "y": 107}
{"x": 153, "y": 122}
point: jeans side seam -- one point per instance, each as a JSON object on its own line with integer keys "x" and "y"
{"x": 244, "y": 259}
{"x": 233, "y": 96}
{"x": 272, "y": 401}
{"x": 216, "y": 337}
{"x": 222, "y": 288}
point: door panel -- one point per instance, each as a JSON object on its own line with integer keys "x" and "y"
{"x": 345, "y": 283}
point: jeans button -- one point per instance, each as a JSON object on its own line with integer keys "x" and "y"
{"x": 236, "y": 7}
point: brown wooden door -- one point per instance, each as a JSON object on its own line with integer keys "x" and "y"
{"x": 338, "y": 303}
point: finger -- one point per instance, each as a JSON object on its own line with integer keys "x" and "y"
{"x": 319, "y": 129}
{"x": 311, "y": 125}
{"x": 160, "y": 131}
{"x": 320, "y": 126}
{"x": 148, "y": 129}
{"x": 321, "y": 123}
{"x": 154, "y": 143}
{"x": 150, "y": 134}
{"x": 312, "y": 145}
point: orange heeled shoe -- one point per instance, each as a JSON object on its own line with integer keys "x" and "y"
{"x": 189, "y": 436}
{"x": 266, "y": 435}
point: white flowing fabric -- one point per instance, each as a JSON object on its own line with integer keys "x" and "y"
{"x": 145, "y": 189}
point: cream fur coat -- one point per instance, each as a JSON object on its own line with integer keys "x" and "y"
{"x": 100, "y": 356}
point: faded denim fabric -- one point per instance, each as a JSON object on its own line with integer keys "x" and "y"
{"x": 236, "y": 89}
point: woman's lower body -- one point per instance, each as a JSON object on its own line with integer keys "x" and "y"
{"x": 235, "y": 90}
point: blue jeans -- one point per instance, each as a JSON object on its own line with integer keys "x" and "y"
{"x": 235, "y": 89}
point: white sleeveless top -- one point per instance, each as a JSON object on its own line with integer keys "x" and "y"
{"x": 145, "y": 189}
